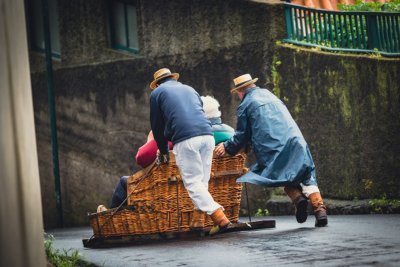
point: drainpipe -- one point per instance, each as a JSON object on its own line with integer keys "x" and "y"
{"x": 52, "y": 111}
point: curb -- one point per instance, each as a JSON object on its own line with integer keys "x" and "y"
{"x": 281, "y": 205}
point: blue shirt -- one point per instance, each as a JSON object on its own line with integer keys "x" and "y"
{"x": 176, "y": 114}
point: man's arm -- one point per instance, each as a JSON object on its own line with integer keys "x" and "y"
{"x": 240, "y": 138}
{"x": 158, "y": 125}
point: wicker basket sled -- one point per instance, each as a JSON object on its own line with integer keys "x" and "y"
{"x": 159, "y": 203}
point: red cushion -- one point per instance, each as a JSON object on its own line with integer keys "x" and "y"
{"x": 148, "y": 153}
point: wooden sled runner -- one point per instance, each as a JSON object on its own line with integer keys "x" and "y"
{"x": 159, "y": 207}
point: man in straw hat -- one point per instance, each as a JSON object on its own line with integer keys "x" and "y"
{"x": 176, "y": 114}
{"x": 283, "y": 156}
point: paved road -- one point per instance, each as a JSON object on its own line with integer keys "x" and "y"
{"x": 354, "y": 240}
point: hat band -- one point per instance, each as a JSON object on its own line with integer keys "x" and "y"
{"x": 165, "y": 74}
{"x": 240, "y": 84}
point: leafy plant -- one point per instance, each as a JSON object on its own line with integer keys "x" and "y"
{"x": 391, "y": 6}
{"x": 66, "y": 258}
{"x": 261, "y": 212}
{"x": 383, "y": 204}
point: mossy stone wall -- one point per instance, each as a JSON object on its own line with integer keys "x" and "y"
{"x": 348, "y": 108}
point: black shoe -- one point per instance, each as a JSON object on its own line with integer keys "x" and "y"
{"x": 301, "y": 210}
{"x": 321, "y": 218}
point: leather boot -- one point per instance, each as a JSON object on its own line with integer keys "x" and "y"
{"x": 197, "y": 220}
{"x": 221, "y": 222}
{"x": 321, "y": 217}
{"x": 299, "y": 201}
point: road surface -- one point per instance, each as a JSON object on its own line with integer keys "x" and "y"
{"x": 353, "y": 240}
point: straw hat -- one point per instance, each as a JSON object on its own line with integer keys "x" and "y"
{"x": 243, "y": 81}
{"x": 161, "y": 74}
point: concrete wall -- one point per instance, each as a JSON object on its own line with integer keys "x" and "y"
{"x": 102, "y": 105}
{"x": 348, "y": 108}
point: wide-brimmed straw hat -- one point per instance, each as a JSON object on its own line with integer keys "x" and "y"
{"x": 243, "y": 81}
{"x": 161, "y": 74}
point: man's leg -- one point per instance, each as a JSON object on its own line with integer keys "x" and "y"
{"x": 206, "y": 153}
{"x": 299, "y": 201}
{"x": 310, "y": 189}
{"x": 190, "y": 166}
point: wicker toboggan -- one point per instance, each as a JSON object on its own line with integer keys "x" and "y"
{"x": 159, "y": 203}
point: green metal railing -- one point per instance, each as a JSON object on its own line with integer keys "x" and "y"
{"x": 343, "y": 30}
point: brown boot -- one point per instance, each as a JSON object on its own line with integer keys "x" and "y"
{"x": 299, "y": 202}
{"x": 321, "y": 217}
{"x": 197, "y": 220}
{"x": 221, "y": 222}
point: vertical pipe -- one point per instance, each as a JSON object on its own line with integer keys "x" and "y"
{"x": 372, "y": 32}
{"x": 364, "y": 31}
{"x": 247, "y": 201}
{"x": 337, "y": 28}
{"x": 352, "y": 35}
{"x": 297, "y": 23}
{"x": 310, "y": 22}
{"x": 330, "y": 30}
{"x": 356, "y": 19}
{"x": 52, "y": 113}
{"x": 321, "y": 34}
{"x": 289, "y": 21}
{"x": 316, "y": 27}
{"x": 346, "y": 30}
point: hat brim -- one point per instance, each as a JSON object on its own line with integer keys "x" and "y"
{"x": 233, "y": 90}
{"x": 153, "y": 84}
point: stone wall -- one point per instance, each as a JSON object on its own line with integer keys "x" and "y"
{"x": 102, "y": 100}
{"x": 348, "y": 108}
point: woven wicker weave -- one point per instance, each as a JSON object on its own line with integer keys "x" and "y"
{"x": 158, "y": 202}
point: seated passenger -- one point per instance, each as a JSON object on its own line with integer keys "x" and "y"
{"x": 144, "y": 157}
{"x": 148, "y": 152}
{"x": 222, "y": 132}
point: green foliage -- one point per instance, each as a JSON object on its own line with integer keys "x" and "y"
{"x": 275, "y": 76}
{"x": 383, "y": 204}
{"x": 261, "y": 212}
{"x": 66, "y": 258}
{"x": 392, "y": 6}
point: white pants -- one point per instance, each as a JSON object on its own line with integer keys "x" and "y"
{"x": 193, "y": 158}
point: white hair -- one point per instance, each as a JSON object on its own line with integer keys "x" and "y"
{"x": 211, "y": 107}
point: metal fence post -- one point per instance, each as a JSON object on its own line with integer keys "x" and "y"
{"x": 288, "y": 20}
{"x": 372, "y": 32}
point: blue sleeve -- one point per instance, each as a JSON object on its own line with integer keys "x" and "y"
{"x": 241, "y": 136}
{"x": 158, "y": 125}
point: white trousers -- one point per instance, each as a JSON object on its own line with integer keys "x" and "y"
{"x": 193, "y": 158}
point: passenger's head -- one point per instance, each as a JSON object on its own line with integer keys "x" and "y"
{"x": 211, "y": 107}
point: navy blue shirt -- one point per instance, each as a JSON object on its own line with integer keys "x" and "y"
{"x": 176, "y": 114}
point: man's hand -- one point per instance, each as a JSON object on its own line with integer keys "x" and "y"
{"x": 162, "y": 158}
{"x": 220, "y": 150}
